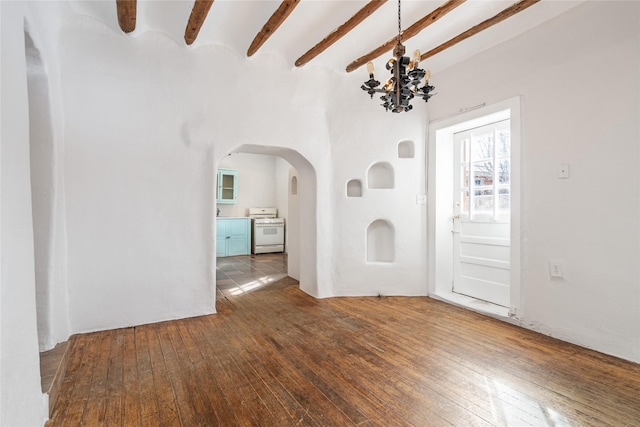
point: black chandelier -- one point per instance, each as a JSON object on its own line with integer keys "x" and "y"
{"x": 405, "y": 80}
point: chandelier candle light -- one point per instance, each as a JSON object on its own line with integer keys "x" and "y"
{"x": 405, "y": 80}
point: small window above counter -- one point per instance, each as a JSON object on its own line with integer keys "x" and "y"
{"x": 227, "y": 186}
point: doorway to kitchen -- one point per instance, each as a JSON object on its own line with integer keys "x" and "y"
{"x": 474, "y": 215}
{"x": 296, "y": 182}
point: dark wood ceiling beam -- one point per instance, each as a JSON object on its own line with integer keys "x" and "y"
{"x": 341, "y": 31}
{"x": 196, "y": 19}
{"x": 278, "y": 17}
{"x": 506, "y": 13}
{"x": 406, "y": 34}
{"x": 127, "y": 14}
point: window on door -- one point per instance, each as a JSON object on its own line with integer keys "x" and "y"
{"x": 485, "y": 172}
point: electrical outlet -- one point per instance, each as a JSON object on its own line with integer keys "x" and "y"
{"x": 555, "y": 269}
{"x": 421, "y": 199}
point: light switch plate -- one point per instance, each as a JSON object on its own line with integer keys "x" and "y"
{"x": 555, "y": 269}
{"x": 421, "y": 199}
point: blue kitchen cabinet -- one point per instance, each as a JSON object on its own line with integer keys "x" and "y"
{"x": 233, "y": 236}
{"x": 227, "y": 186}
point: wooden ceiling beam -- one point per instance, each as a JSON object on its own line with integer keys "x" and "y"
{"x": 196, "y": 19}
{"x": 506, "y": 13}
{"x": 278, "y": 17}
{"x": 127, "y": 14}
{"x": 406, "y": 34}
{"x": 341, "y": 31}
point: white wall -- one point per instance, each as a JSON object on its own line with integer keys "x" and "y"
{"x": 48, "y": 202}
{"x": 138, "y": 182}
{"x": 21, "y": 400}
{"x": 363, "y": 134}
{"x": 580, "y": 98}
{"x": 140, "y": 163}
{"x": 282, "y": 187}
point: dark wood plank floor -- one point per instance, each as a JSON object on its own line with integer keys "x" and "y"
{"x": 274, "y": 356}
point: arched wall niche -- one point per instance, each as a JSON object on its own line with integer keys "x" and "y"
{"x": 294, "y": 186}
{"x": 406, "y": 150}
{"x": 354, "y": 188}
{"x": 380, "y": 241}
{"x": 380, "y": 176}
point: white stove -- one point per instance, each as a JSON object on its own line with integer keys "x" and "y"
{"x": 267, "y": 231}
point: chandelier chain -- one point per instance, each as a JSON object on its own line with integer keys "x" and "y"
{"x": 399, "y": 26}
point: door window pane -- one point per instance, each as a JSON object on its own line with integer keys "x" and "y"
{"x": 464, "y": 201}
{"x": 482, "y": 147}
{"x": 484, "y": 202}
{"x": 504, "y": 143}
{"x": 464, "y": 176}
{"x": 504, "y": 198}
{"x": 482, "y": 173}
{"x": 504, "y": 172}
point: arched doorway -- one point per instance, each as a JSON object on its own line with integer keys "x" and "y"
{"x": 302, "y": 203}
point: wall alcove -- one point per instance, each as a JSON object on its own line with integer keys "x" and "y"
{"x": 406, "y": 150}
{"x": 380, "y": 176}
{"x": 354, "y": 188}
{"x": 294, "y": 186}
{"x": 380, "y": 241}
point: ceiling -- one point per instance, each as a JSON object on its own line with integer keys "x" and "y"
{"x": 235, "y": 24}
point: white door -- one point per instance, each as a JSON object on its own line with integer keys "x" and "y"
{"x": 482, "y": 211}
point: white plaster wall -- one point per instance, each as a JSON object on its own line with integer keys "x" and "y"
{"x": 282, "y": 187}
{"x": 138, "y": 182}
{"x": 293, "y": 224}
{"x": 41, "y": 168}
{"x": 47, "y": 200}
{"x": 46, "y": 140}
{"x": 580, "y": 105}
{"x": 362, "y": 134}
{"x": 140, "y": 162}
{"x": 21, "y": 401}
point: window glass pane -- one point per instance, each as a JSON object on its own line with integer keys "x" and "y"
{"x": 484, "y": 202}
{"x": 482, "y": 173}
{"x": 464, "y": 176}
{"x": 504, "y": 143}
{"x": 504, "y": 172}
{"x": 504, "y": 199}
{"x": 227, "y": 181}
{"x": 482, "y": 147}
{"x": 464, "y": 201}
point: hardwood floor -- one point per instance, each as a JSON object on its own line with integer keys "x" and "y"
{"x": 274, "y": 356}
